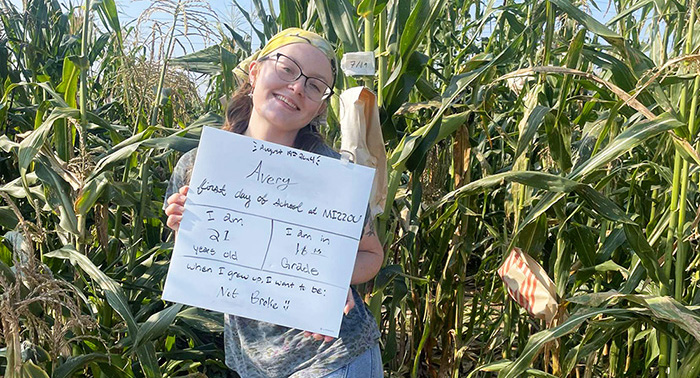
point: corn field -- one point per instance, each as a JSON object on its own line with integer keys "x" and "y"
{"x": 509, "y": 124}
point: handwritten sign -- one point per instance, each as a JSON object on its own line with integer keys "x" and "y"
{"x": 269, "y": 233}
{"x": 358, "y": 63}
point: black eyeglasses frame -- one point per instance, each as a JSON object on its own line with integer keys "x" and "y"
{"x": 301, "y": 73}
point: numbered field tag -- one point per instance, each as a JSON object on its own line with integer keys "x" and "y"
{"x": 269, "y": 233}
{"x": 358, "y": 64}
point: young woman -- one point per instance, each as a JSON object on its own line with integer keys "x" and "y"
{"x": 282, "y": 101}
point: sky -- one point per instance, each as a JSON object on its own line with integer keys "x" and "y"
{"x": 226, "y": 12}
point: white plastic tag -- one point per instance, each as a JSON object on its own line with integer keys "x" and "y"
{"x": 358, "y": 64}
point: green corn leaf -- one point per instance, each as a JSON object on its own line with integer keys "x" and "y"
{"x": 583, "y": 243}
{"x": 562, "y": 263}
{"x": 686, "y": 151}
{"x": 148, "y": 360}
{"x": 534, "y": 237}
{"x": 59, "y": 194}
{"x": 611, "y": 243}
{"x": 386, "y": 275}
{"x": 661, "y": 307}
{"x": 341, "y": 14}
{"x": 670, "y": 310}
{"x": 173, "y": 142}
{"x": 107, "y": 10}
{"x": 628, "y": 139}
{"x": 113, "y": 158}
{"x": 98, "y": 47}
{"x": 8, "y": 219}
{"x": 690, "y": 363}
{"x": 6, "y": 144}
{"x": 291, "y": 14}
{"x": 422, "y": 16}
{"x": 497, "y": 366}
{"x": 589, "y": 22}
{"x": 620, "y": 74}
{"x": 636, "y": 276}
{"x": 594, "y": 339}
{"x": 628, "y": 11}
{"x": 607, "y": 266}
{"x": 241, "y": 42}
{"x": 366, "y": 8}
{"x": 603, "y": 205}
{"x": 633, "y": 231}
{"x": 559, "y": 141}
{"x": 90, "y": 193}
{"x": 69, "y": 83}
{"x": 403, "y": 80}
{"x": 534, "y": 179}
{"x": 55, "y": 96}
{"x": 537, "y": 341}
{"x": 157, "y": 324}
{"x": 246, "y": 15}
{"x": 268, "y": 21}
{"x": 208, "y": 61}
{"x": 645, "y": 252}
{"x": 74, "y": 363}
{"x": 112, "y": 371}
{"x": 30, "y": 146}
{"x": 456, "y": 87}
{"x": 203, "y": 320}
{"x": 534, "y": 120}
{"x": 31, "y": 370}
{"x": 112, "y": 290}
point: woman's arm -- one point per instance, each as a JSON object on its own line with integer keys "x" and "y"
{"x": 370, "y": 256}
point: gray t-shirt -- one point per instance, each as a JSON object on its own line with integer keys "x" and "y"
{"x": 256, "y": 349}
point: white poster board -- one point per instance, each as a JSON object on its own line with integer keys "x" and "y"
{"x": 269, "y": 233}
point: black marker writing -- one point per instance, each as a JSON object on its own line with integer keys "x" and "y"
{"x": 230, "y": 219}
{"x": 199, "y": 268}
{"x": 262, "y": 148}
{"x": 215, "y": 235}
{"x": 341, "y": 216}
{"x": 284, "y": 204}
{"x": 242, "y": 195}
{"x": 227, "y": 292}
{"x": 264, "y": 302}
{"x": 233, "y": 255}
{"x": 299, "y": 267}
{"x": 206, "y": 186}
{"x": 258, "y": 175}
{"x": 198, "y": 250}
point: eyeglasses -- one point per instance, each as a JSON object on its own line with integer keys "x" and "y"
{"x": 288, "y": 70}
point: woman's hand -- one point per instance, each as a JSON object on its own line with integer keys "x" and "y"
{"x": 349, "y": 305}
{"x": 176, "y": 206}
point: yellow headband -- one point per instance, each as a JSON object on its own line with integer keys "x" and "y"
{"x": 287, "y": 37}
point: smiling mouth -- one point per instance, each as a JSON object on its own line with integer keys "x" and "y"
{"x": 286, "y": 101}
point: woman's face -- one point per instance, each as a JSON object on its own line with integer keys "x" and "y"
{"x": 281, "y": 107}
